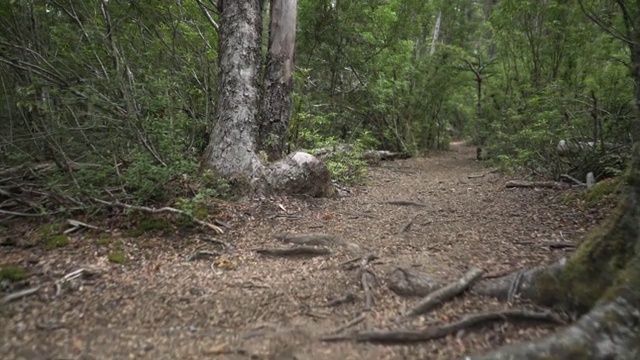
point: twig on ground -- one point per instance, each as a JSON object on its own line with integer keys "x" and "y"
{"x": 407, "y": 226}
{"x": 295, "y": 251}
{"x": 353, "y": 322}
{"x": 475, "y": 176}
{"x": 436, "y": 332}
{"x": 443, "y": 294}
{"x": 346, "y": 298}
{"x": 569, "y": 177}
{"x": 537, "y": 184}
{"x": 20, "y": 294}
{"x": 76, "y": 225}
{"x": 165, "y": 209}
{"x": 406, "y": 203}
{"x": 200, "y": 254}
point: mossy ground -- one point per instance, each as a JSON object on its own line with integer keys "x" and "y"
{"x": 12, "y": 273}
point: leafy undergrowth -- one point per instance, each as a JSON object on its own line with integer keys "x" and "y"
{"x": 151, "y": 289}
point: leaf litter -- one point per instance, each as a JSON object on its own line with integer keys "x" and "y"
{"x": 204, "y": 295}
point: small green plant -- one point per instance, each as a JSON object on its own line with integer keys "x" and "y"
{"x": 104, "y": 240}
{"x": 117, "y": 257}
{"x": 147, "y": 225}
{"x": 48, "y": 230}
{"x": 57, "y": 241}
{"x": 12, "y": 273}
{"x": 602, "y": 190}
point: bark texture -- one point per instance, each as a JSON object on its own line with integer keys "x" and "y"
{"x": 232, "y": 149}
{"x": 278, "y": 82}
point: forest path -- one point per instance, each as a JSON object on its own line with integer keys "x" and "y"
{"x": 243, "y": 305}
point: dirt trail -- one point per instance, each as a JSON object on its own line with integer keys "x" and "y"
{"x": 248, "y": 306}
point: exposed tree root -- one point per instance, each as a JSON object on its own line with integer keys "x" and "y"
{"x": 353, "y": 322}
{"x": 609, "y": 331}
{"x": 537, "y": 184}
{"x": 412, "y": 336}
{"x": 20, "y": 294}
{"x": 521, "y": 283}
{"x": 300, "y": 251}
{"x": 443, "y": 294}
{"x": 407, "y": 282}
{"x": 316, "y": 239}
{"x": 367, "y": 281}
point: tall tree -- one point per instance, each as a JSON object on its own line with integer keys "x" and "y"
{"x": 278, "y": 82}
{"x": 232, "y": 144}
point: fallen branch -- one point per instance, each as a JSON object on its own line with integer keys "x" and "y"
{"x": 20, "y": 294}
{"x": 537, "y": 184}
{"x": 165, "y": 209}
{"x": 437, "y": 332}
{"x": 295, "y": 251}
{"x": 443, "y": 294}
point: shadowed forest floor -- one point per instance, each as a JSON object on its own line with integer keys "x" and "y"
{"x": 239, "y": 304}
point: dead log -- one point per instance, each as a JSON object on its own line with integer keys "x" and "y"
{"x": 537, "y": 184}
{"x": 443, "y": 294}
{"x": 398, "y": 337}
{"x": 407, "y": 282}
{"x": 300, "y": 251}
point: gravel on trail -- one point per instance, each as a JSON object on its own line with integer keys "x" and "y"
{"x": 187, "y": 297}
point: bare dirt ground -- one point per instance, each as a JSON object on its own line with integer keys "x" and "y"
{"x": 243, "y": 305}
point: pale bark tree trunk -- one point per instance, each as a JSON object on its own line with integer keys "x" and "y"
{"x": 278, "y": 82}
{"x": 436, "y": 33}
{"x": 233, "y": 144}
{"x": 602, "y": 280}
{"x": 232, "y": 148}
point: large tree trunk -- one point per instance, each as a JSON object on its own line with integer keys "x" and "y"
{"x": 232, "y": 149}
{"x": 278, "y": 82}
{"x": 602, "y": 280}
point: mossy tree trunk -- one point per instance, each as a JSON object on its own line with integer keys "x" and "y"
{"x": 602, "y": 280}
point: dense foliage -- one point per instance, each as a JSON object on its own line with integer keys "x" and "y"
{"x": 118, "y": 95}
